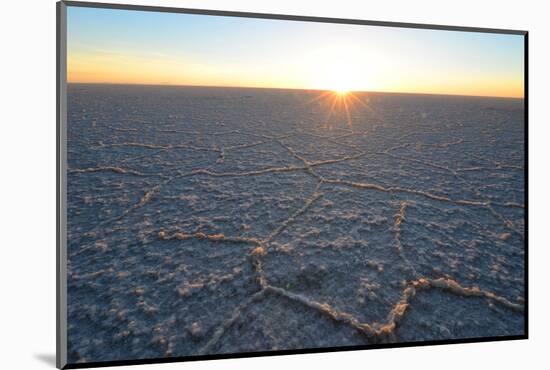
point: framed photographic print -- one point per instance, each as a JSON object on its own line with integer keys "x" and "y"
{"x": 235, "y": 184}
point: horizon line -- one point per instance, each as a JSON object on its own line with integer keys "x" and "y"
{"x": 290, "y": 88}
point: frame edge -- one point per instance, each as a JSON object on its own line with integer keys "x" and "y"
{"x": 61, "y": 167}
{"x": 288, "y": 17}
{"x": 61, "y": 217}
{"x": 526, "y": 177}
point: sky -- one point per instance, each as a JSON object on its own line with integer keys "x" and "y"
{"x": 142, "y": 47}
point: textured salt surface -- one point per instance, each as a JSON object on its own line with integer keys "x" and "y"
{"x": 207, "y": 220}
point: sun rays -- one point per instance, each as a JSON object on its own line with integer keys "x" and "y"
{"x": 340, "y": 102}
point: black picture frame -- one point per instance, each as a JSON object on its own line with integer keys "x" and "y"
{"x": 61, "y": 168}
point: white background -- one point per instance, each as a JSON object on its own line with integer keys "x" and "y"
{"x": 27, "y": 193}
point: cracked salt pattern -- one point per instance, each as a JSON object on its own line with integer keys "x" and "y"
{"x": 222, "y": 220}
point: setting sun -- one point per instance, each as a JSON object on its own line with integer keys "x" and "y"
{"x": 335, "y": 57}
{"x": 237, "y": 184}
{"x": 341, "y": 76}
{"x": 341, "y": 102}
{"x": 341, "y": 91}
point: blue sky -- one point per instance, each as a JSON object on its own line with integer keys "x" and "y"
{"x": 125, "y": 46}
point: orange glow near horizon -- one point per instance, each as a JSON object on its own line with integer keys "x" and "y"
{"x": 157, "y": 70}
{"x": 112, "y": 46}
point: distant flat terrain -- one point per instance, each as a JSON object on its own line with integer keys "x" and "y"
{"x": 224, "y": 220}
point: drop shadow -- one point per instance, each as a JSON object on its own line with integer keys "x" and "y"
{"x": 46, "y": 358}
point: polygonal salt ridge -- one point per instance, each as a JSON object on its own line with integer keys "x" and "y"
{"x": 261, "y": 247}
{"x": 308, "y": 167}
{"x": 375, "y": 331}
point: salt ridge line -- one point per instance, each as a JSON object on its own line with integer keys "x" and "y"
{"x": 508, "y": 204}
{"x": 377, "y": 332}
{"x": 221, "y": 150}
{"x": 446, "y": 144}
{"x": 149, "y": 194}
{"x": 154, "y": 190}
{"x": 242, "y": 174}
{"x": 487, "y": 204}
{"x": 230, "y": 321}
{"x": 212, "y": 237}
{"x": 449, "y": 239}
{"x": 496, "y": 163}
{"x": 122, "y": 129}
{"x": 427, "y": 163}
{"x": 395, "y": 147}
{"x": 255, "y": 254}
{"x": 114, "y": 169}
{"x": 407, "y": 135}
{"x": 333, "y": 139}
{"x": 509, "y": 224}
{"x": 399, "y": 219}
{"x": 260, "y": 251}
{"x": 398, "y": 189}
{"x": 269, "y": 139}
{"x": 399, "y": 309}
{"x": 218, "y": 133}
{"x": 188, "y": 288}
{"x": 307, "y": 166}
{"x": 382, "y": 330}
{"x": 254, "y": 241}
{"x": 312, "y": 164}
{"x": 270, "y": 169}
{"x": 477, "y": 168}
{"x": 293, "y": 153}
{"x": 135, "y": 158}
{"x": 395, "y": 314}
{"x": 136, "y": 119}
{"x": 165, "y": 147}
{"x": 308, "y": 203}
{"x": 435, "y": 165}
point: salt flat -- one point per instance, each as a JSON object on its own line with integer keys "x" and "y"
{"x": 224, "y": 220}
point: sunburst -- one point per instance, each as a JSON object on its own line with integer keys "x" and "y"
{"x": 340, "y": 101}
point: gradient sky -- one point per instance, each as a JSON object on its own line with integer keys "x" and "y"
{"x": 124, "y": 46}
